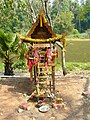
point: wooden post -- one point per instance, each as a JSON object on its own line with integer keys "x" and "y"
{"x": 35, "y": 74}
{"x": 62, "y": 57}
{"x": 63, "y": 61}
{"x": 53, "y": 78}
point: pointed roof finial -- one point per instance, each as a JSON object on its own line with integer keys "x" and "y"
{"x": 40, "y": 11}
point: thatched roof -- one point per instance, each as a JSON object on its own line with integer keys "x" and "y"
{"x": 41, "y": 32}
{"x": 41, "y": 29}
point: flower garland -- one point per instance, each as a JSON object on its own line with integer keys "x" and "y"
{"x": 26, "y": 39}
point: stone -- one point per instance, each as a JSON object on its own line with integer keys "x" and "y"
{"x": 25, "y": 106}
{"x": 20, "y": 110}
{"x": 86, "y": 94}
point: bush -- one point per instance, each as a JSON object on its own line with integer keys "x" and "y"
{"x": 88, "y": 33}
{"x": 21, "y": 64}
{"x": 79, "y": 36}
{"x": 75, "y": 31}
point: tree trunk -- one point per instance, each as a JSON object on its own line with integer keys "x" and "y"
{"x": 8, "y": 69}
{"x": 32, "y": 12}
{"x": 46, "y": 12}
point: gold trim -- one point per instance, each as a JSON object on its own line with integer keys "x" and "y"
{"x": 26, "y": 39}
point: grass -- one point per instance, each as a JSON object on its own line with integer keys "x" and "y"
{"x": 73, "y": 66}
{"x": 1, "y": 66}
{"x": 78, "y": 51}
{"x": 77, "y": 55}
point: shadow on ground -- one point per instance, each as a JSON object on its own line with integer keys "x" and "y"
{"x": 20, "y": 85}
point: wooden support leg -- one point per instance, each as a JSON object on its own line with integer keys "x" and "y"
{"x": 63, "y": 62}
{"x": 50, "y": 85}
{"x": 31, "y": 76}
{"x": 53, "y": 78}
{"x": 35, "y": 74}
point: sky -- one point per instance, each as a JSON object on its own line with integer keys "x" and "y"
{"x": 51, "y": 1}
{"x": 72, "y": 0}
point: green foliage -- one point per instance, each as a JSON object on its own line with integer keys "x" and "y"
{"x": 16, "y": 16}
{"x": 20, "y": 64}
{"x": 1, "y": 66}
{"x": 66, "y": 21}
{"x": 8, "y": 41}
{"x": 62, "y": 17}
{"x": 8, "y": 49}
{"x": 78, "y": 36}
{"x": 75, "y": 31}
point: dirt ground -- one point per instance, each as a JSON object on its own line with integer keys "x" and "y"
{"x": 14, "y": 91}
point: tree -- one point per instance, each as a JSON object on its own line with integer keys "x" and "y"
{"x": 19, "y": 15}
{"x": 85, "y": 21}
{"x": 14, "y": 16}
{"x": 8, "y": 50}
{"x": 81, "y": 11}
{"x": 61, "y": 16}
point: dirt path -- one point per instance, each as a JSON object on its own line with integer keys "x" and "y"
{"x": 13, "y": 92}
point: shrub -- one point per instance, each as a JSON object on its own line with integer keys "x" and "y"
{"x": 88, "y": 33}
{"x": 21, "y": 64}
{"x": 75, "y": 31}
